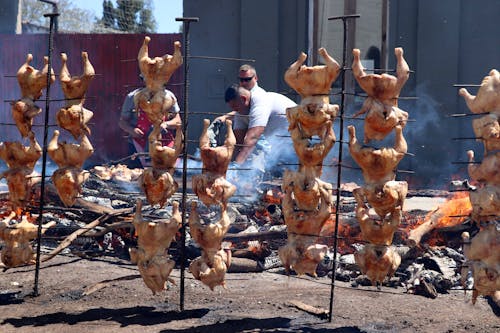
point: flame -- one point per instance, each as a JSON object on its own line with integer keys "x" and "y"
{"x": 455, "y": 210}
{"x": 347, "y": 235}
{"x": 273, "y": 196}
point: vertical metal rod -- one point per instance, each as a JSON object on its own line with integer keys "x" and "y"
{"x": 339, "y": 168}
{"x": 185, "y": 27}
{"x": 51, "y": 16}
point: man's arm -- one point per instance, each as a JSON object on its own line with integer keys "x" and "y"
{"x": 172, "y": 124}
{"x": 252, "y": 136}
{"x": 227, "y": 116}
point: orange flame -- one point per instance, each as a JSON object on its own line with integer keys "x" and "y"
{"x": 454, "y": 211}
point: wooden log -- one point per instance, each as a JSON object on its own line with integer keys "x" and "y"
{"x": 244, "y": 265}
{"x": 429, "y": 224}
{"x": 255, "y": 236}
{"x": 322, "y": 313}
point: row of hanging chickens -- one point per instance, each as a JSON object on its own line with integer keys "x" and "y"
{"x": 21, "y": 159}
{"x": 379, "y": 202}
{"x": 483, "y": 250}
{"x": 308, "y": 201}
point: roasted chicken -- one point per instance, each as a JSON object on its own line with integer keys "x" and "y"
{"x": 315, "y": 80}
{"x": 305, "y": 189}
{"x": 69, "y": 154}
{"x": 74, "y": 88}
{"x": 74, "y": 119}
{"x": 488, "y": 95}
{"x": 16, "y": 155}
{"x": 302, "y": 254}
{"x": 377, "y": 262}
{"x": 311, "y": 115}
{"x": 311, "y": 155}
{"x": 16, "y": 249}
{"x": 23, "y": 112}
{"x": 384, "y": 198}
{"x": 20, "y": 181}
{"x": 487, "y": 129}
{"x": 157, "y": 70}
{"x": 33, "y": 81}
{"x": 157, "y": 185}
{"x": 68, "y": 182}
{"x": 154, "y": 103}
{"x": 378, "y": 165}
{"x": 486, "y": 172}
{"x": 211, "y": 270}
{"x": 382, "y": 87}
{"x": 376, "y": 231}
{"x": 212, "y": 189}
{"x": 380, "y": 119}
{"x": 485, "y": 203}
{"x": 163, "y": 157}
{"x": 216, "y": 159}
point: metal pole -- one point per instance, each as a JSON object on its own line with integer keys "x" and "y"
{"x": 51, "y": 16}
{"x": 339, "y": 168}
{"x": 186, "y": 22}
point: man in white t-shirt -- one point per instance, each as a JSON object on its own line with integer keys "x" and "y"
{"x": 259, "y": 116}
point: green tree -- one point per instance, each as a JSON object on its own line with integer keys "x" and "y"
{"x": 71, "y": 18}
{"x": 130, "y": 15}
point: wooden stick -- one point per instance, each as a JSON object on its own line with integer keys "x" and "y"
{"x": 322, "y": 313}
{"x": 103, "y": 284}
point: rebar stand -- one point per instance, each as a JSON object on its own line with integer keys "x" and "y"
{"x": 339, "y": 168}
{"x": 51, "y": 16}
{"x": 186, "y": 21}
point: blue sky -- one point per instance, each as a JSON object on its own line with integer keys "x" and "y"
{"x": 165, "y": 12}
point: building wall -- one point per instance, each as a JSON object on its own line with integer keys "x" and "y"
{"x": 10, "y": 17}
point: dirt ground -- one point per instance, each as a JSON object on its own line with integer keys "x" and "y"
{"x": 252, "y": 302}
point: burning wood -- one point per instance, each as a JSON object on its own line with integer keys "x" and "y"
{"x": 453, "y": 212}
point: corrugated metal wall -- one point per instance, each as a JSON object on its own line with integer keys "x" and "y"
{"x": 114, "y": 57}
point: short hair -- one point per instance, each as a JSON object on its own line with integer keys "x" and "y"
{"x": 247, "y": 67}
{"x": 232, "y": 92}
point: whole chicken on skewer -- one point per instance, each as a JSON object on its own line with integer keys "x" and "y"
{"x": 16, "y": 155}
{"x": 485, "y": 203}
{"x": 302, "y": 254}
{"x": 74, "y": 119}
{"x": 68, "y": 182}
{"x": 378, "y": 165}
{"x": 312, "y": 155}
{"x": 382, "y": 87}
{"x": 487, "y": 129}
{"x": 157, "y": 185}
{"x": 154, "y": 103}
{"x": 33, "y": 81}
{"x": 164, "y": 157}
{"x": 153, "y": 240}
{"x": 17, "y": 250}
{"x": 384, "y": 198}
{"x": 378, "y": 232}
{"x": 380, "y": 119}
{"x": 377, "y": 262}
{"x": 212, "y": 189}
{"x": 311, "y": 115}
{"x": 20, "y": 181}
{"x": 488, "y": 95}
{"x": 75, "y": 87}
{"x": 211, "y": 270}
{"x": 315, "y": 80}
{"x": 158, "y": 70}
{"x": 23, "y": 112}
{"x": 306, "y": 189}
{"x": 486, "y": 172}
{"x": 69, "y": 154}
{"x": 216, "y": 159}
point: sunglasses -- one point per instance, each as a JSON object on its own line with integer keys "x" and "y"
{"x": 246, "y": 79}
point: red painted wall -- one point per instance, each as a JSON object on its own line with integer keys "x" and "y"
{"x": 114, "y": 57}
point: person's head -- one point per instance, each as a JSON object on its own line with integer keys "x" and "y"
{"x": 247, "y": 76}
{"x": 238, "y": 98}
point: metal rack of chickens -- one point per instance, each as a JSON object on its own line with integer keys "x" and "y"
{"x": 482, "y": 250}
{"x": 308, "y": 201}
